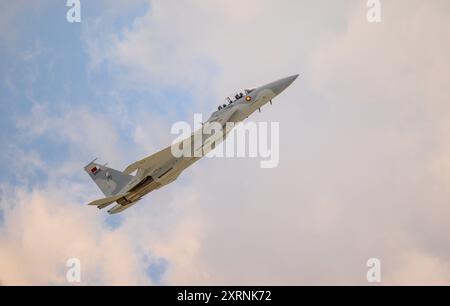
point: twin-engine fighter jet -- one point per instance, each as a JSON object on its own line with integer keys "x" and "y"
{"x": 163, "y": 167}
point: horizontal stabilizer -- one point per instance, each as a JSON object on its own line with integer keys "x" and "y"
{"x": 108, "y": 200}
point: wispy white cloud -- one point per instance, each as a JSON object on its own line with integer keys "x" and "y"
{"x": 82, "y": 129}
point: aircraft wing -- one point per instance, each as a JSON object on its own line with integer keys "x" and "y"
{"x": 165, "y": 156}
{"x": 152, "y": 162}
{"x": 108, "y": 200}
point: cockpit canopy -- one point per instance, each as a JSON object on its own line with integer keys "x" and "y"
{"x": 235, "y": 97}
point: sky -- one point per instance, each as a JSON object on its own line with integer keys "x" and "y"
{"x": 364, "y": 166}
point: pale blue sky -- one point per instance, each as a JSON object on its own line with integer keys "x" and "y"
{"x": 45, "y": 62}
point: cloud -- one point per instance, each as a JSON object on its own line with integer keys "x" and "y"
{"x": 44, "y": 224}
{"x": 78, "y": 127}
{"x": 198, "y": 45}
{"x": 416, "y": 269}
{"x": 44, "y": 228}
{"x": 356, "y": 182}
{"x": 363, "y": 157}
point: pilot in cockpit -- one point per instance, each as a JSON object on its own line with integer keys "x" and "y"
{"x": 239, "y": 96}
{"x": 230, "y": 101}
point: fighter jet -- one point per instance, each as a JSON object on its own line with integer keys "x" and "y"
{"x": 162, "y": 168}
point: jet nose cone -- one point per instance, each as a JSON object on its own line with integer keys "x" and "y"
{"x": 280, "y": 85}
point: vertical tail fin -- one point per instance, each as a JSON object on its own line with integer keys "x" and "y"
{"x": 109, "y": 181}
